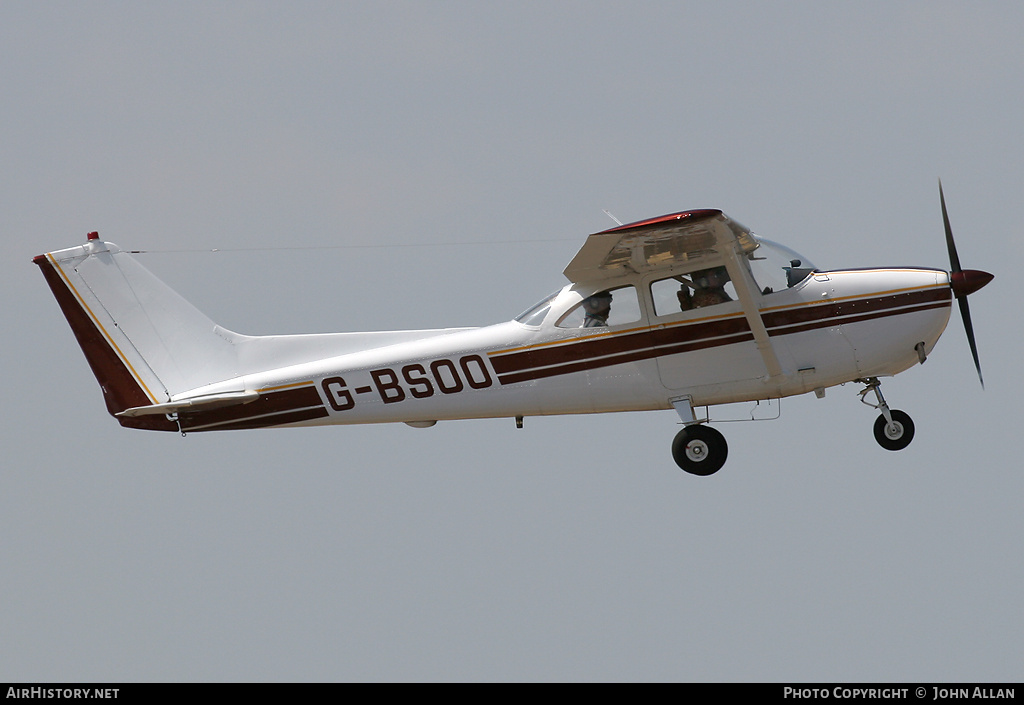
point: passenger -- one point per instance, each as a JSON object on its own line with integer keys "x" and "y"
{"x": 710, "y": 287}
{"x": 597, "y": 307}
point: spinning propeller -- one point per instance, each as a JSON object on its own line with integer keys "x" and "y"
{"x": 963, "y": 282}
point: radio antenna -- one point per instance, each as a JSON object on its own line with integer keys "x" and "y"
{"x": 617, "y": 221}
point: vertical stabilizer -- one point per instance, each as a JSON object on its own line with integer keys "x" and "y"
{"x": 144, "y": 342}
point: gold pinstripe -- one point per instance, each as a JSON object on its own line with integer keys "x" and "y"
{"x": 691, "y": 321}
{"x": 285, "y": 386}
{"x": 99, "y": 326}
{"x": 857, "y": 296}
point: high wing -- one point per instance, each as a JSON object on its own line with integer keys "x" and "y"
{"x": 690, "y": 237}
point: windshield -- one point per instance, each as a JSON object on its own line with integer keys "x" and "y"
{"x": 775, "y": 267}
{"x": 534, "y": 315}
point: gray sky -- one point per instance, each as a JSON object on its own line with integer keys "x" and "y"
{"x": 574, "y": 548}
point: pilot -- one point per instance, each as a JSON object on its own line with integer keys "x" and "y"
{"x": 597, "y": 307}
{"x": 710, "y": 287}
{"x": 685, "y": 297}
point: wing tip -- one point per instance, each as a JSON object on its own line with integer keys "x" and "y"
{"x": 691, "y": 215}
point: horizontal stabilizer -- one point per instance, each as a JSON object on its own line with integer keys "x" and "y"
{"x": 212, "y": 401}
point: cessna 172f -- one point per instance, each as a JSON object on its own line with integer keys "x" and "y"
{"x": 683, "y": 311}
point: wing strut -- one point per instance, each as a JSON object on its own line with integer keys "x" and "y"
{"x": 748, "y": 292}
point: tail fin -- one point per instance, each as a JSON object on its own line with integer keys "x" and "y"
{"x": 143, "y": 341}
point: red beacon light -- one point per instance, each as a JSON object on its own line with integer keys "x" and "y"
{"x": 93, "y": 236}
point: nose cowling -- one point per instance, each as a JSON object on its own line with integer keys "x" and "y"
{"x": 967, "y": 281}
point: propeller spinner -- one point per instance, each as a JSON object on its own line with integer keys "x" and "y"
{"x": 963, "y": 282}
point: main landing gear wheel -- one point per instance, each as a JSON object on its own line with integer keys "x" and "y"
{"x": 896, "y": 435}
{"x": 700, "y": 450}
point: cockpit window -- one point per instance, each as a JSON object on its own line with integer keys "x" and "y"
{"x": 534, "y": 315}
{"x": 610, "y": 307}
{"x": 775, "y": 267}
{"x": 685, "y": 292}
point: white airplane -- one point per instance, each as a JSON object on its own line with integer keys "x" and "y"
{"x": 683, "y": 311}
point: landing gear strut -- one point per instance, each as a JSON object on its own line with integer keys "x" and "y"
{"x": 894, "y": 429}
{"x": 700, "y": 450}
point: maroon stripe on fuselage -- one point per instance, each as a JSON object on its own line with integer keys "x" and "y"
{"x": 266, "y": 421}
{"x": 617, "y": 345}
{"x": 271, "y": 409}
{"x": 606, "y": 351}
{"x": 845, "y": 320}
{"x": 633, "y": 356}
{"x": 827, "y": 313}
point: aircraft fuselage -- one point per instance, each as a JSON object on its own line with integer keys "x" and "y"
{"x": 832, "y": 328}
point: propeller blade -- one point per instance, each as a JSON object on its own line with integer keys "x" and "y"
{"x": 965, "y": 314}
{"x": 963, "y": 283}
{"x": 954, "y": 259}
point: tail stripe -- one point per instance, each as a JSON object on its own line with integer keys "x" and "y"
{"x": 122, "y": 386}
{"x": 109, "y": 339}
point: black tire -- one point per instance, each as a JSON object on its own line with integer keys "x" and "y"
{"x": 700, "y": 450}
{"x": 899, "y": 435}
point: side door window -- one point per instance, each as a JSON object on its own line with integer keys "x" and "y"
{"x": 686, "y": 292}
{"x": 610, "y": 307}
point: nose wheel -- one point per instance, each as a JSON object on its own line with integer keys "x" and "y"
{"x": 896, "y": 434}
{"x": 700, "y": 450}
{"x": 894, "y": 429}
